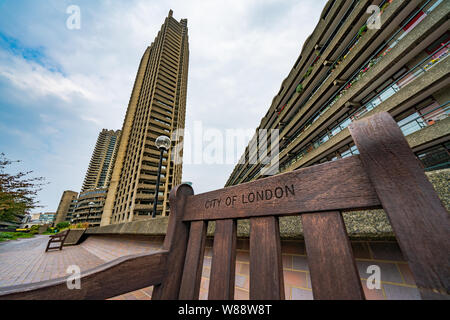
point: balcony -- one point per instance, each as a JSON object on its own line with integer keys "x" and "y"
{"x": 422, "y": 67}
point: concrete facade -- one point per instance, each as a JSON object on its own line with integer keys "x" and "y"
{"x": 67, "y": 199}
{"x": 157, "y": 107}
{"x": 89, "y": 207}
{"x": 347, "y": 71}
{"x": 102, "y": 160}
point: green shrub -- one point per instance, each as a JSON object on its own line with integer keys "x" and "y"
{"x": 14, "y": 235}
{"x": 362, "y": 30}
{"x": 63, "y": 225}
{"x": 384, "y": 6}
{"x": 34, "y": 229}
{"x": 6, "y": 235}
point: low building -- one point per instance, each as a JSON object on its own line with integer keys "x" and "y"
{"x": 47, "y": 218}
{"x": 89, "y": 207}
{"x": 65, "y": 206}
{"x": 71, "y": 211}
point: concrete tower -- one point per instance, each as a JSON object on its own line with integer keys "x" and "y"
{"x": 157, "y": 107}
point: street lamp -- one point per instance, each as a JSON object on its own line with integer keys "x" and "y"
{"x": 90, "y": 204}
{"x": 163, "y": 144}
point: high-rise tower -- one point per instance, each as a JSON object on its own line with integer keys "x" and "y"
{"x": 88, "y": 207}
{"x": 157, "y": 107}
{"x": 102, "y": 161}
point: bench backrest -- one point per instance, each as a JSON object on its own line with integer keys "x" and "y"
{"x": 385, "y": 175}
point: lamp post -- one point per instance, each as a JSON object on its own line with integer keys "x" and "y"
{"x": 90, "y": 204}
{"x": 163, "y": 144}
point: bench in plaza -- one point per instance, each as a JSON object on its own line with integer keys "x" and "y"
{"x": 57, "y": 239}
{"x": 385, "y": 174}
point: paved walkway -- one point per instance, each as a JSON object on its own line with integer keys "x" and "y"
{"x": 25, "y": 260}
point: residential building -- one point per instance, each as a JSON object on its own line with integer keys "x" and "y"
{"x": 157, "y": 107}
{"x": 71, "y": 212}
{"x": 65, "y": 207}
{"x": 89, "y": 207}
{"x": 348, "y": 70}
{"x": 102, "y": 160}
{"x": 47, "y": 218}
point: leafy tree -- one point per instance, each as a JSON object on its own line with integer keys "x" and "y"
{"x": 17, "y": 192}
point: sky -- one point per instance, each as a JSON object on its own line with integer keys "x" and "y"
{"x": 59, "y": 87}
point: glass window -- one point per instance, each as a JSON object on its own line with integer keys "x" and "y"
{"x": 435, "y": 158}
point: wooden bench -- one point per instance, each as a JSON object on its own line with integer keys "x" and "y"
{"x": 58, "y": 239}
{"x": 386, "y": 175}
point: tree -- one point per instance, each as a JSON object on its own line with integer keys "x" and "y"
{"x": 17, "y": 192}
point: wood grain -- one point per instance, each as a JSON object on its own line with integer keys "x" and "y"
{"x": 334, "y": 275}
{"x": 266, "y": 268}
{"x": 221, "y": 283}
{"x": 175, "y": 243}
{"x": 336, "y": 185}
{"x": 418, "y": 218}
{"x": 111, "y": 279}
{"x": 192, "y": 272}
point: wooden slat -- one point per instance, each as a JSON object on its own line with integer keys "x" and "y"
{"x": 418, "y": 218}
{"x": 336, "y": 185}
{"x": 221, "y": 283}
{"x": 266, "y": 268}
{"x": 192, "y": 273}
{"x": 175, "y": 243}
{"x": 334, "y": 275}
{"x": 111, "y": 279}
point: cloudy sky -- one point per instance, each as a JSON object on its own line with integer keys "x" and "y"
{"x": 60, "y": 87}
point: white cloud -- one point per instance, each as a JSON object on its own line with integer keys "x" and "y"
{"x": 33, "y": 78}
{"x": 240, "y": 52}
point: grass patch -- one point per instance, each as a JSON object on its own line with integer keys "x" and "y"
{"x": 5, "y": 236}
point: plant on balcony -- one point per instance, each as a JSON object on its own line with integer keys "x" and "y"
{"x": 308, "y": 72}
{"x": 299, "y": 88}
{"x": 362, "y": 31}
{"x": 385, "y": 6}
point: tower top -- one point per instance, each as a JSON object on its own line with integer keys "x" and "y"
{"x": 170, "y": 13}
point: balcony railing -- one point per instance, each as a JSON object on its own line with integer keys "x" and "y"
{"x": 418, "y": 121}
{"x": 372, "y": 61}
{"x": 422, "y": 67}
{"x": 382, "y": 51}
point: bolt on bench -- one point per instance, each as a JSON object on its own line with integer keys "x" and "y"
{"x": 386, "y": 175}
